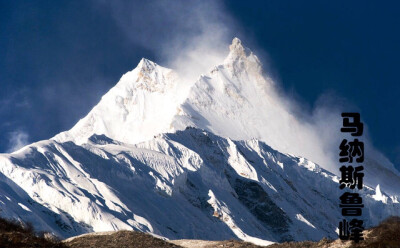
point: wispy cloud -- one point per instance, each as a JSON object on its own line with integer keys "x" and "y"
{"x": 188, "y": 36}
{"x": 18, "y": 99}
{"x": 17, "y": 139}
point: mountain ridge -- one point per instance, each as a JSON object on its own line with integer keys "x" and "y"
{"x": 237, "y": 189}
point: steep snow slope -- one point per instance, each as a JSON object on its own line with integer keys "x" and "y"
{"x": 141, "y": 105}
{"x": 188, "y": 184}
{"x": 236, "y": 100}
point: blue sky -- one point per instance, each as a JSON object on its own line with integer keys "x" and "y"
{"x": 57, "y": 58}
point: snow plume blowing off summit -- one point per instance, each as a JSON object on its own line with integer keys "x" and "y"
{"x": 191, "y": 37}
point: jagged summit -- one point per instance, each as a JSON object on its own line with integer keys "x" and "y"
{"x": 237, "y": 49}
{"x": 146, "y": 64}
{"x": 149, "y": 76}
{"x": 241, "y": 58}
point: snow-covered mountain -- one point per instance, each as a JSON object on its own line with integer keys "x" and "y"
{"x": 236, "y": 99}
{"x": 208, "y": 160}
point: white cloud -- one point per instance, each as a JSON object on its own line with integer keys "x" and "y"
{"x": 186, "y": 35}
{"x": 17, "y": 139}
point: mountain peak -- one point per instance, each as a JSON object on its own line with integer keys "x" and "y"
{"x": 140, "y": 105}
{"x": 146, "y": 65}
{"x": 241, "y": 58}
{"x": 237, "y": 48}
{"x": 153, "y": 77}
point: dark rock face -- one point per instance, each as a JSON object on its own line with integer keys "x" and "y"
{"x": 101, "y": 139}
{"x": 252, "y": 195}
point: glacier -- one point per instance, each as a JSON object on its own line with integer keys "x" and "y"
{"x": 219, "y": 158}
